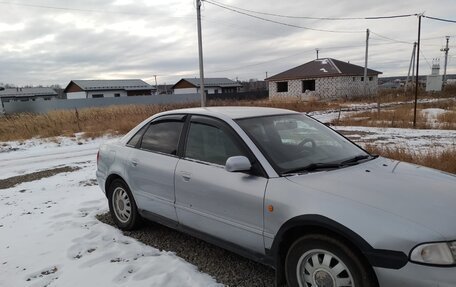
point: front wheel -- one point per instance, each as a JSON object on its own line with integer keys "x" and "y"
{"x": 322, "y": 261}
{"x": 122, "y": 206}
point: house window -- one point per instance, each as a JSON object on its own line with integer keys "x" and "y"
{"x": 282, "y": 87}
{"x": 308, "y": 85}
{"x": 362, "y": 79}
{"x": 97, "y": 96}
{"x": 116, "y": 95}
{"x": 370, "y": 79}
{"x": 216, "y": 91}
{"x": 354, "y": 79}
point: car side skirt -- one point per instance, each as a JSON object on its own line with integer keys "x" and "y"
{"x": 255, "y": 256}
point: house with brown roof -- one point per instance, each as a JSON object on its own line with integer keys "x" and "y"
{"x": 211, "y": 86}
{"x": 325, "y": 79}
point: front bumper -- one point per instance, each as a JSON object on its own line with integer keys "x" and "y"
{"x": 416, "y": 275}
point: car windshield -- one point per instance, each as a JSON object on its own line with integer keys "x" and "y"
{"x": 296, "y": 143}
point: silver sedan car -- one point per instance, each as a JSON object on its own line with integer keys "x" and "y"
{"x": 283, "y": 189}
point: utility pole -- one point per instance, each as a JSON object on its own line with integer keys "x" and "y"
{"x": 200, "y": 53}
{"x": 366, "y": 83}
{"x": 417, "y": 69}
{"x": 412, "y": 64}
{"x": 156, "y": 86}
{"x": 317, "y": 50}
{"x": 266, "y": 75}
{"x": 446, "y": 49}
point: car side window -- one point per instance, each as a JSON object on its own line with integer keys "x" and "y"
{"x": 162, "y": 136}
{"x": 134, "y": 140}
{"x": 210, "y": 144}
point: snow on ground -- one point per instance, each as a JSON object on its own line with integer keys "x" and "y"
{"x": 409, "y": 139}
{"x": 37, "y": 154}
{"x": 417, "y": 140}
{"x": 49, "y": 235}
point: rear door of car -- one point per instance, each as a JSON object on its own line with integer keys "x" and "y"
{"x": 151, "y": 166}
{"x": 209, "y": 199}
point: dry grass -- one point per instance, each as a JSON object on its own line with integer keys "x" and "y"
{"x": 398, "y": 95}
{"x": 93, "y": 122}
{"x": 116, "y": 119}
{"x": 445, "y": 161}
{"x": 402, "y": 117}
{"x": 120, "y": 119}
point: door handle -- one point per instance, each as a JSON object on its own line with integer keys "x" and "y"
{"x": 186, "y": 176}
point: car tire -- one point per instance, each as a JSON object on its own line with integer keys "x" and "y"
{"x": 122, "y": 206}
{"x": 321, "y": 260}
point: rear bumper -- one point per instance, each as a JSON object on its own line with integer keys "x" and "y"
{"x": 101, "y": 179}
{"x": 415, "y": 275}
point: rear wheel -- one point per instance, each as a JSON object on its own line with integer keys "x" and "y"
{"x": 322, "y": 261}
{"x": 122, "y": 206}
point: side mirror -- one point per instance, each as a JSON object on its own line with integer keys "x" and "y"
{"x": 237, "y": 163}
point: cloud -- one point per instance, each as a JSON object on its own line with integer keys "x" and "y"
{"x": 87, "y": 39}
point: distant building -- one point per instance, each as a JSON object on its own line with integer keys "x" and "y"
{"x": 82, "y": 89}
{"x": 211, "y": 86}
{"x": 394, "y": 84}
{"x": 27, "y": 94}
{"x": 323, "y": 78}
{"x": 434, "y": 81}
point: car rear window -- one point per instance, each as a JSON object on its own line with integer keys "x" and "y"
{"x": 162, "y": 137}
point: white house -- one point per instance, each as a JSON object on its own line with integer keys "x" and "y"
{"x": 82, "y": 89}
{"x": 323, "y": 78}
{"x": 211, "y": 86}
{"x": 27, "y": 94}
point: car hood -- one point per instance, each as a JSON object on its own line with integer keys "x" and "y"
{"x": 422, "y": 195}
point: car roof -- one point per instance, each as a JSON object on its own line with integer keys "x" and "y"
{"x": 233, "y": 112}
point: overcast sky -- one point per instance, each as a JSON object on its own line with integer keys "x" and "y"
{"x": 65, "y": 40}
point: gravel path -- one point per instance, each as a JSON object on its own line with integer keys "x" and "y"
{"x": 226, "y": 267}
{"x": 15, "y": 180}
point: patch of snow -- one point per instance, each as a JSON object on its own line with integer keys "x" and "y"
{"x": 20, "y": 157}
{"x": 418, "y": 140}
{"x": 432, "y": 112}
{"x": 49, "y": 234}
{"x": 323, "y": 70}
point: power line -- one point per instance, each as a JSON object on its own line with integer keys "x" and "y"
{"x": 391, "y": 39}
{"x": 83, "y": 10}
{"x": 440, "y": 19}
{"x": 67, "y": 8}
{"x": 429, "y": 64}
{"x": 293, "y": 55}
{"x": 314, "y": 18}
{"x": 278, "y": 22}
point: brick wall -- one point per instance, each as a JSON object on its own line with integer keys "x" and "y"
{"x": 327, "y": 88}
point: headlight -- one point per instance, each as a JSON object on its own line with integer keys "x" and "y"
{"x": 441, "y": 253}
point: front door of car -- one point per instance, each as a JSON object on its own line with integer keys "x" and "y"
{"x": 209, "y": 199}
{"x": 152, "y": 164}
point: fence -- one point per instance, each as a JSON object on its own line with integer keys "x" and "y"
{"x": 42, "y": 106}
{"x": 256, "y": 95}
